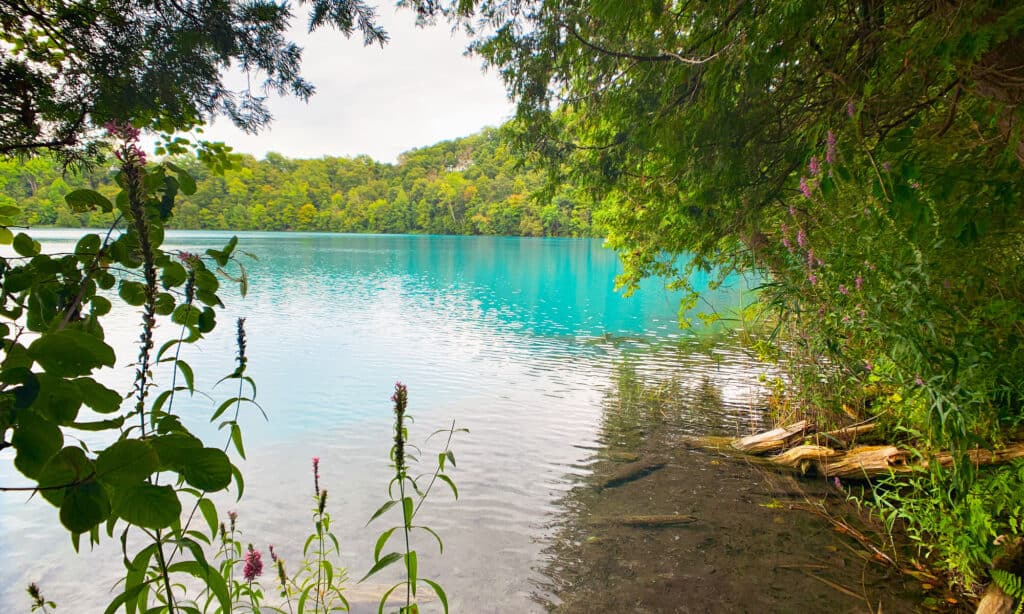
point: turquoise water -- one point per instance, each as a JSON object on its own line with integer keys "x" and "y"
{"x": 517, "y": 340}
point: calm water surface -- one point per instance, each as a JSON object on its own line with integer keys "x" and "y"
{"x": 522, "y": 341}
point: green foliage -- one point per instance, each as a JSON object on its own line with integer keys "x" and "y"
{"x": 471, "y": 185}
{"x": 61, "y": 78}
{"x": 1012, "y": 585}
{"x": 864, "y": 158}
{"x": 962, "y": 532}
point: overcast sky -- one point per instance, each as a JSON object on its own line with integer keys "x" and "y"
{"x": 418, "y": 90}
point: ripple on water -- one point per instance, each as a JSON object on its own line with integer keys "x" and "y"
{"x": 521, "y": 341}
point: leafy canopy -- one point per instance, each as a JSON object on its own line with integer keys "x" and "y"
{"x": 67, "y": 68}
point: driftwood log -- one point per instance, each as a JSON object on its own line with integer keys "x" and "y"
{"x": 858, "y": 462}
{"x": 646, "y": 522}
{"x": 631, "y": 472}
{"x": 775, "y": 439}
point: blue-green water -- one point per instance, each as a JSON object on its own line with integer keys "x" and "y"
{"x": 515, "y": 339}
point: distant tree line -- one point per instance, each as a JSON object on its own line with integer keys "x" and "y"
{"x": 470, "y": 185}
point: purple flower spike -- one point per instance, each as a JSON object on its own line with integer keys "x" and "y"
{"x": 805, "y": 188}
{"x": 813, "y": 167}
{"x": 830, "y": 150}
{"x": 801, "y": 238}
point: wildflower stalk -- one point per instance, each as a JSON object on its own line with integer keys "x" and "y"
{"x": 321, "y": 594}
{"x": 132, "y": 163}
{"x": 38, "y": 601}
{"x": 401, "y": 399}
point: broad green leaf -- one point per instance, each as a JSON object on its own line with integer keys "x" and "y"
{"x": 59, "y": 399}
{"x": 100, "y": 305}
{"x": 132, "y": 292}
{"x": 84, "y": 506}
{"x": 70, "y": 353}
{"x": 186, "y": 315}
{"x": 25, "y": 246}
{"x": 207, "y": 469}
{"x": 84, "y": 200}
{"x": 99, "y": 425}
{"x": 174, "y": 449}
{"x": 35, "y": 440}
{"x": 126, "y": 462}
{"x": 174, "y": 274}
{"x": 147, "y": 505}
{"x": 67, "y": 467}
{"x": 101, "y": 399}
{"x": 88, "y": 246}
{"x": 164, "y": 304}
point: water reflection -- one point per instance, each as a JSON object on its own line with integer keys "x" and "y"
{"x": 699, "y": 532}
{"x": 512, "y": 338}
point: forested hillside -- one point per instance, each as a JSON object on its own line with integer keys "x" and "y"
{"x": 470, "y": 185}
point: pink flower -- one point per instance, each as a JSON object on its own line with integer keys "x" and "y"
{"x": 811, "y": 277}
{"x": 273, "y": 555}
{"x": 805, "y": 187}
{"x": 813, "y": 167}
{"x": 122, "y": 130}
{"x": 801, "y": 238}
{"x": 843, "y": 290}
{"x": 868, "y": 366}
{"x": 857, "y": 283}
{"x": 918, "y": 380}
{"x": 253, "y": 564}
{"x": 830, "y": 150}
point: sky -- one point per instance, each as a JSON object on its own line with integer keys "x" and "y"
{"x": 418, "y": 90}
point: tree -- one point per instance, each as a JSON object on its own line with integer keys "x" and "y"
{"x": 68, "y": 68}
{"x": 863, "y": 156}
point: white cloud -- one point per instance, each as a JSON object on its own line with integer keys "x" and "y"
{"x": 418, "y": 90}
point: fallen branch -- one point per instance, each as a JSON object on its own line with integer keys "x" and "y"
{"x": 775, "y": 439}
{"x": 653, "y": 521}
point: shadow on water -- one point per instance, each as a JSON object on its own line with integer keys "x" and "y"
{"x": 665, "y": 526}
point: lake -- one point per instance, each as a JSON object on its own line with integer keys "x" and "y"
{"x": 522, "y": 341}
